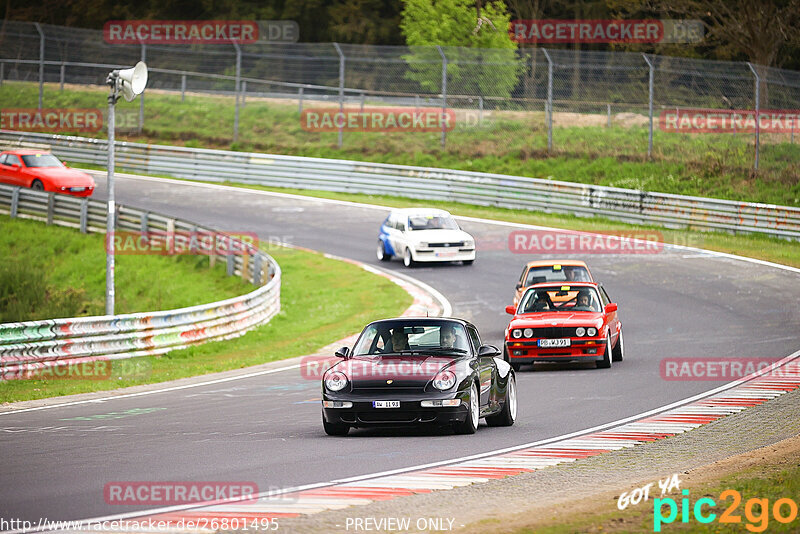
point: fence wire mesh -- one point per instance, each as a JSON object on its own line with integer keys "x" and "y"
{"x": 530, "y": 100}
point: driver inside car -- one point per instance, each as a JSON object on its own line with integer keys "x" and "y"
{"x": 449, "y": 339}
{"x": 399, "y": 340}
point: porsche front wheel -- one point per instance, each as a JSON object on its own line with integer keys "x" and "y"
{"x": 335, "y": 429}
{"x": 470, "y": 424}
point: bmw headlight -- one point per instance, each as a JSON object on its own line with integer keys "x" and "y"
{"x": 528, "y": 332}
{"x": 444, "y": 380}
{"x": 336, "y": 381}
{"x": 423, "y": 244}
{"x": 469, "y": 243}
{"x": 516, "y": 333}
{"x": 580, "y": 331}
{"x": 591, "y": 332}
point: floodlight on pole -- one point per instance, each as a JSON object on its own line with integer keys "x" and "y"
{"x": 130, "y": 82}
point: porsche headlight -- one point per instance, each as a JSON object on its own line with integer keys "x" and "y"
{"x": 444, "y": 380}
{"x": 516, "y": 333}
{"x": 469, "y": 243}
{"x": 580, "y": 331}
{"x": 528, "y": 332}
{"x": 591, "y": 332}
{"x": 336, "y": 381}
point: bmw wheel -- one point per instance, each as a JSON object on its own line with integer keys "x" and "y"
{"x": 605, "y": 363}
{"x": 619, "y": 350}
{"x": 37, "y": 185}
{"x": 381, "y": 252}
{"x": 470, "y": 424}
{"x": 408, "y": 260}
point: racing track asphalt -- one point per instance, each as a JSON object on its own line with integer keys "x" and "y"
{"x": 267, "y": 429}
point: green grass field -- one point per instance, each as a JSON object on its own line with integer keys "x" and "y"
{"x": 509, "y": 143}
{"x": 51, "y": 272}
{"x": 322, "y": 300}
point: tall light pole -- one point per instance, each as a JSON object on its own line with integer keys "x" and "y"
{"x": 130, "y": 82}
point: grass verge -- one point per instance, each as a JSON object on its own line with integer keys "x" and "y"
{"x": 53, "y": 272}
{"x": 508, "y": 142}
{"x": 322, "y": 300}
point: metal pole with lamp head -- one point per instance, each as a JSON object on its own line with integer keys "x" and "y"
{"x": 130, "y": 82}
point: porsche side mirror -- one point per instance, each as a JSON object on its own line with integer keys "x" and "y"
{"x": 344, "y": 352}
{"x": 611, "y": 307}
{"x": 519, "y": 285}
{"x": 488, "y": 351}
{"x": 511, "y": 310}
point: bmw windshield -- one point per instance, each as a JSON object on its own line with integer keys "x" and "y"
{"x": 560, "y": 299}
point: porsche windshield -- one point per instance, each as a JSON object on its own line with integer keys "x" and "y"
{"x": 421, "y": 222}
{"x": 560, "y": 299}
{"x": 41, "y": 160}
{"x": 392, "y": 337}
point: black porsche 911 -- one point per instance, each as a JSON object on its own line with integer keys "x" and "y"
{"x": 415, "y": 371}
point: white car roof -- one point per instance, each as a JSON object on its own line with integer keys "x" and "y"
{"x": 424, "y": 212}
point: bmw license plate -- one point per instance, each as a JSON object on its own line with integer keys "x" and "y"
{"x": 77, "y": 189}
{"x": 563, "y": 342}
{"x": 385, "y": 404}
{"x": 447, "y": 254}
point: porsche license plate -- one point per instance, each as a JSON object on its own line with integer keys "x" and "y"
{"x": 385, "y": 404}
{"x": 77, "y": 189}
{"x": 563, "y": 342}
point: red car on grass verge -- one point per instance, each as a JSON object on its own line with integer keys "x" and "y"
{"x": 43, "y": 171}
{"x": 562, "y": 322}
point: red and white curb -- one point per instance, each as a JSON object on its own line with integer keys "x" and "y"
{"x": 706, "y": 408}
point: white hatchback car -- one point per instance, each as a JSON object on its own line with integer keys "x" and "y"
{"x": 424, "y": 235}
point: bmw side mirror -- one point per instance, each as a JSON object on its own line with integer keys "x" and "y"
{"x": 344, "y": 352}
{"x": 511, "y": 310}
{"x": 488, "y": 351}
{"x": 611, "y": 307}
{"x": 519, "y": 285}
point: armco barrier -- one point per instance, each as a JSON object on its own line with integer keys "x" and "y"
{"x": 514, "y": 192}
{"x": 31, "y": 346}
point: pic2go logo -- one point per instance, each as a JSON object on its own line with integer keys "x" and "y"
{"x": 756, "y": 511}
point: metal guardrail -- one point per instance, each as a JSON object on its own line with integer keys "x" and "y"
{"x": 515, "y": 192}
{"x": 29, "y": 347}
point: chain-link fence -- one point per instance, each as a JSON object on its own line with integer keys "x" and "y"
{"x": 527, "y": 101}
